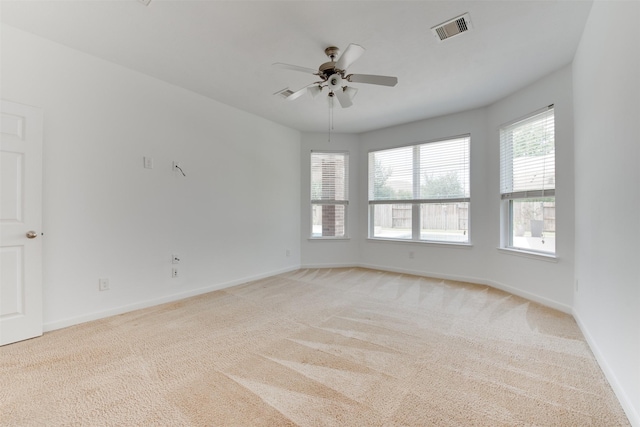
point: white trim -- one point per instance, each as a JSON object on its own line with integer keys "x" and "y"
{"x": 59, "y": 324}
{"x": 530, "y": 296}
{"x": 530, "y": 194}
{"x": 419, "y": 201}
{"x": 625, "y": 401}
{"x": 329, "y": 202}
{"x": 329, "y": 151}
{"x": 475, "y": 280}
{"x": 529, "y": 254}
{"x": 331, "y": 265}
{"x": 434, "y": 243}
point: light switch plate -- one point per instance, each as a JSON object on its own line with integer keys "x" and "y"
{"x": 148, "y": 162}
{"x": 103, "y": 284}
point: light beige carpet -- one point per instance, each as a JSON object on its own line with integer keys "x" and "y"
{"x": 320, "y": 347}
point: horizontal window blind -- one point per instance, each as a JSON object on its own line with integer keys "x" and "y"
{"x": 444, "y": 169}
{"x": 329, "y": 177}
{"x": 527, "y": 156}
{"x": 433, "y": 171}
{"x": 391, "y": 174}
{"x": 329, "y": 194}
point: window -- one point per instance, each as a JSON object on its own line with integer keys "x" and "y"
{"x": 421, "y": 192}
{"x": 329, "y": 194}
{"x": 528, "y": 182}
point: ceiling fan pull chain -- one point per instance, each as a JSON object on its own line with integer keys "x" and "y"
{"x": 330, "y": 118}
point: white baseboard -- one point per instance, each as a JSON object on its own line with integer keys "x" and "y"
{"x": 625, "y": 402}
{"x": 59, "y": 324}
{"x": 331, "y": 265}
{"x": 480, "y": 281}
{"x": 419, "y": 273}
{"x": 530, "y": 296}
{"x": 63, "y": 323}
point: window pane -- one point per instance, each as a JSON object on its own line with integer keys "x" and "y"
{"x": 328, "y": 221}
{"x": 444, "y": 169}
{"x": 405, "y": 178}
{"x": 329, "y": 173}
{"x": 329, "y": 194}
{"x": 533, "y": 224}
{"x": 391, "y": 174}
{"x": 444, "y": 222}
{"x": 527, "y": 154}
{"x": 392, "y": 221}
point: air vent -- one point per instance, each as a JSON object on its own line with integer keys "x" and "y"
{"x": 453, "y": 27}
{"x": 285, "y": 93}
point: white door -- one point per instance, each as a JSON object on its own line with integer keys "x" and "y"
{"x": 20, "y": 222}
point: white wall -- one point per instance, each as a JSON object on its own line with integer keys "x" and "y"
{"x": 334, "y": 252}
{"x": 606, "y": 76}
{"x": 231, "y": 218}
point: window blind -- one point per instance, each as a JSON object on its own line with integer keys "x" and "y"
{"x": 527, "y": 156}
{"x": 433, "y": 171}
{"x": 329, "y": 172}
{"x": 444, "y": 169}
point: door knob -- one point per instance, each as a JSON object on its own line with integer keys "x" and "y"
{"x": 32, "y": 234}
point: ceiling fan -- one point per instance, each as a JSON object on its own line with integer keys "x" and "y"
{"x": 334, "y": 77}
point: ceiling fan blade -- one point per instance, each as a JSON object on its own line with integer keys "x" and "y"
{"x": 343, "y": 98}
{"x": 372, "y": 79}
{"x": 297, "y": 94}
{"x": 349, "y": 56}
{"x": 295, "y": 68}
{"x": 314, "y": 90}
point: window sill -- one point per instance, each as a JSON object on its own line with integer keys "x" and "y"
{"x": 456, "y": 245}
{"x": 328, "y": 239}
{"x": 528, "y": 254}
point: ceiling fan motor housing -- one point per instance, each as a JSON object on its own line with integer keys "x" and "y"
{"x": 327, "y": 70}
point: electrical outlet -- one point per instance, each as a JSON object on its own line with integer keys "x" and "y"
{"x": 174, "y": 272}
{"x": 148, "y": 162}
{"x": 103, "y": 284}
{"x": 175, "y": 259}
{"x": 412, "y": 255}
{"x": 287, "y": 252}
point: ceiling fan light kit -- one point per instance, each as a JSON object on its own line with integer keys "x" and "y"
{"x": 334, "y": 77}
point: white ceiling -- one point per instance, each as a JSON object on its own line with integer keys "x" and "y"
{"x": 224, "y": 50}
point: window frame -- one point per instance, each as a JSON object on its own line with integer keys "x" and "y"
{"x": 330, "y": 202}
{"x": 507, "y": 199}
{"x": 416, "y": 203}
